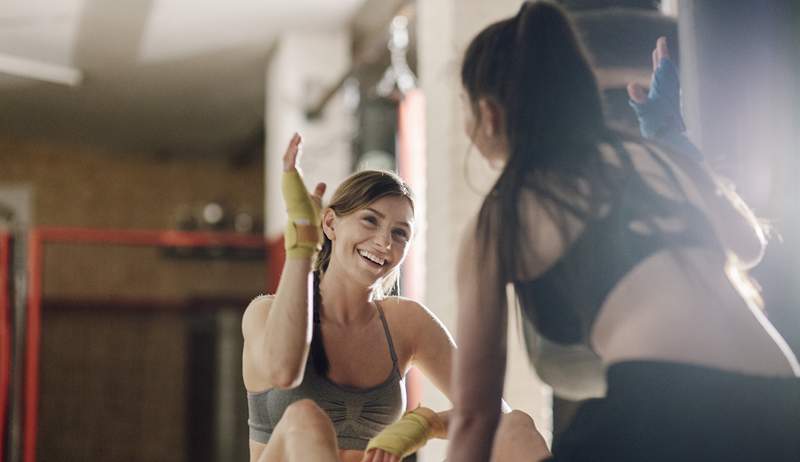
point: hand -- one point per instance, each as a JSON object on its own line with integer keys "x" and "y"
{"x": 636, "y": 92}
{"x": 293, "y": 153}
{"x": 316, "y": 196}
{"x": 290, "y": 159}
{"x": 379, "y": 455}
{"x": 303, "y": 235}
{"x": 659, "y": 110}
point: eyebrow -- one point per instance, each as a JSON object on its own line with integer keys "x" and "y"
{"x": 403, "y": 223}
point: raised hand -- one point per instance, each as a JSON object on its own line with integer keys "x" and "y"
{"x": 303, "y": 234}
{"x": 290, "y": 159}
{"x": 659, "y": 110}
{"x": 636, "y": 92}
{"x": 293, "y": 152}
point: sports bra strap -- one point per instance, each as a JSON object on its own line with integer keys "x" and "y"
{"x": 389, "y": 339}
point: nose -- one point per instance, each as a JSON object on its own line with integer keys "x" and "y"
{"x": 383, "y": 239}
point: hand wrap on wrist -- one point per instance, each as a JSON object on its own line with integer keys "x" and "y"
{"x": 409, "y": 433}
{"x": 660, "y": 115}
{"x": 303, "y": 234}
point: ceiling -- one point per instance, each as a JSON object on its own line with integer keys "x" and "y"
{"x": 177, "y": 77}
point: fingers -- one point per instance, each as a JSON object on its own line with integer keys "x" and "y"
{"x": 660, "y": 52}
{"x": 637, "y": 93}
{"x": 377, "y": 455}
{"x": 319, "y": 191}
{"x": 661, "y": 48}
{"x": 316, "y": 196}
{"x": 292, "y": 153}
{"x": 373, "y": 455}
{"x": 654, "y": 58}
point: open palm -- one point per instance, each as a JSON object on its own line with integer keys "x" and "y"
{"x": 636, "y": 92}
{"x": 290, "y": 159}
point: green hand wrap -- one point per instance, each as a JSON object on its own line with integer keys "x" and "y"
{"x": 303, "y": 234}
{"x": 409, "y": 433}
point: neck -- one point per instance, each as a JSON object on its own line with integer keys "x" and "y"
{"x": 344, "y": 301}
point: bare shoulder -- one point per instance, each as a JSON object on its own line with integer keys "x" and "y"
{"x": 256, "y": 313}
{"x": 413, "y": 318}
{"x": 408, "y": 309}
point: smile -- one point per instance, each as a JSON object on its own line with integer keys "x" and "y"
{"x": 372, "y": 257}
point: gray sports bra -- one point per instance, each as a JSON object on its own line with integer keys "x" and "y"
{"x": 357, "y": 414}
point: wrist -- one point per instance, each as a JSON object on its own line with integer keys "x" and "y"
{"x": 437, "y": 427}
{"x": 301, "y": 240}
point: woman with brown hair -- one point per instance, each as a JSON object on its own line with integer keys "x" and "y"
{"x": 325, "y": 358}
{"x": 625, "y": 246}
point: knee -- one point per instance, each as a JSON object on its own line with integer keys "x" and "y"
{"x": 518, "y": 420}
{"x": 517, "y": 434}
{"x": 517, "y": 425}
{"x": 306, "y": 416}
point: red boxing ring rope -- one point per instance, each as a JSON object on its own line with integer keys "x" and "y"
{"x": 5, "y": 335}
{"x": 36, "y": 241}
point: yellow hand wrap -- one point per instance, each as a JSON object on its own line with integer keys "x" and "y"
{"x": 303, "y": 234}
{"x": 409, "y": 433}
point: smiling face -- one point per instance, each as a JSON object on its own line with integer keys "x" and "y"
{"x": 369, "y": 243}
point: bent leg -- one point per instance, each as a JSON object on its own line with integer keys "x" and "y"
{"x": 304, "y": 433}
{"x": 518, "y": 439}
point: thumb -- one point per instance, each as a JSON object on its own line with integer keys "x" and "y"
{"x": 319, "y": 190}
{"x": 316, "y": 196}
{"x": 636, "y": 93}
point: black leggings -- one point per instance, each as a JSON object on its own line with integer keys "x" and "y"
{"x": 660, "y": 411}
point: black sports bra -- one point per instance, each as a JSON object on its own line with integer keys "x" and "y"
{"x": 563, "y": 302}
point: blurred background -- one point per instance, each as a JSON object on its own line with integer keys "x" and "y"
{"x": 140, "y": 210}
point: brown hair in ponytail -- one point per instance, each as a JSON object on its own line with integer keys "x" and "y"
{"x": 533, "y": 66}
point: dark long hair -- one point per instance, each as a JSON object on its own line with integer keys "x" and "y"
{"x": 534, "y": 68}
{"x": 356, "y": 192}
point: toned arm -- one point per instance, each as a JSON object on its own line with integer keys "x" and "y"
{"x": 481, "y": 358}
{"x": 433, "y": 352}
{"x": 277, "y": 331}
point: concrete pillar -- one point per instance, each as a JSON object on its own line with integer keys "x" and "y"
{"x": 303, "y": 66}
{"x": 456, "y": 179}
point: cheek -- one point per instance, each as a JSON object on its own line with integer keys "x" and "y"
{"x": 402, "y": 251}
{"x": 354, "y": 232}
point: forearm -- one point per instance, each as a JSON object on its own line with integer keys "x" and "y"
{"x": 289, "y": 323}
{"x": 477, "y": 401}
{"x": 679, "y": 142}
{"x": 447, "y": 416}
{"x": 474, "y": 432}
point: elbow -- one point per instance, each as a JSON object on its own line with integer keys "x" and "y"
{"x": 285, "y": 376}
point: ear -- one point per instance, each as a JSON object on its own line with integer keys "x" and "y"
{"x": 328, "y": 223}
{"x": 490, "y": 116}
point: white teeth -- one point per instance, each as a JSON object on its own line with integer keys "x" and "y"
{"x": 372, "y": 257}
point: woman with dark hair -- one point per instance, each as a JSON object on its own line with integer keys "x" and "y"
{"x": 325, "y": 358}
{"x": 628, "y": 247}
